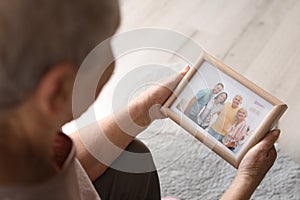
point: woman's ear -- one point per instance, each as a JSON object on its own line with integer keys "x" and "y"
{"x": 53, "y": 95}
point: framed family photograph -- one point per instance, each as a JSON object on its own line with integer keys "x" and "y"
{"x": 225, "y": 111}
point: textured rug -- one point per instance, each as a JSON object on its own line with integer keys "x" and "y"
{"x": 190, "y": 170}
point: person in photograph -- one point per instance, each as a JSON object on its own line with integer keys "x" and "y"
{"x": 225, "y": 119}
{"x": 202, "y": 97}
{"x": 238, "y": 130}
{"x": 213, "y": 107}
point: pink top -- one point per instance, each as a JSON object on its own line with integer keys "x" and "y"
{"x": 71, "y": 183}
{"x": 236, "y": 134}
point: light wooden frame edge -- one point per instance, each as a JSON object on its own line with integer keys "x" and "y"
{"x": 269, "y": 121}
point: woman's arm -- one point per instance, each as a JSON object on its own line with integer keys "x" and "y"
{"x": 188, "y": 108}
{"x": 243, "y": 133}
{"x": 99, "y": 144}
{"x": 253, "y": 168}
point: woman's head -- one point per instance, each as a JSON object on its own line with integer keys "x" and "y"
{"x": 221, "y": 98}
{"x": 241, "y": 114}
{"x": 37, "y": 35}
{"x": 42, "y": 46}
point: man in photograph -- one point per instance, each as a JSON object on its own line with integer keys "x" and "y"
{"x": 202, "y": 97}
{"x": 226, "y": 118}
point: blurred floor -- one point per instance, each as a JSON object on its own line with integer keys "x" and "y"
{"x": 258, "y": 38}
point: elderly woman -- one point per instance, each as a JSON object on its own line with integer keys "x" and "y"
{"x": 212, "y": 108}
{"x": 237, "y": 131}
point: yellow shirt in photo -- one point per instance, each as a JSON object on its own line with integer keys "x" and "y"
{"x": 225, "y": 119}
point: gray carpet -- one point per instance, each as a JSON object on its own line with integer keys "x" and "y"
{"x": 189, "y": 170}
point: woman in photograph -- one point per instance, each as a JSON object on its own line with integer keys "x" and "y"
{"x": 238, "y": 131}
{"x": 198, "y": 102}
{"x": 212, "y": 108}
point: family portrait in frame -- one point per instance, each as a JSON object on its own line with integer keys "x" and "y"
{"x": 225, "y": 111}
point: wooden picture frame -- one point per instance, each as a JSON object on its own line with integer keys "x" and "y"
{"x": 262, "y": 110}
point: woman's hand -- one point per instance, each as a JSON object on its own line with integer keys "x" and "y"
{"x": 153, "y": 99}
{"x": 259, "y": 159}
{"x": 252, "y": 169}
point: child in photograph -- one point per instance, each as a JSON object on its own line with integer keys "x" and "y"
{"x": 226, "y": 118}
{"x": 213, "y": 107}
{"x": 197, "y": 103}
{"x": 238, "y": 131}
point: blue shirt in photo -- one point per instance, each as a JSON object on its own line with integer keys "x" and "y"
{"x": 203, "y": 97}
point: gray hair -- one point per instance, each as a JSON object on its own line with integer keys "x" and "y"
{"x": 37, "y": 34}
